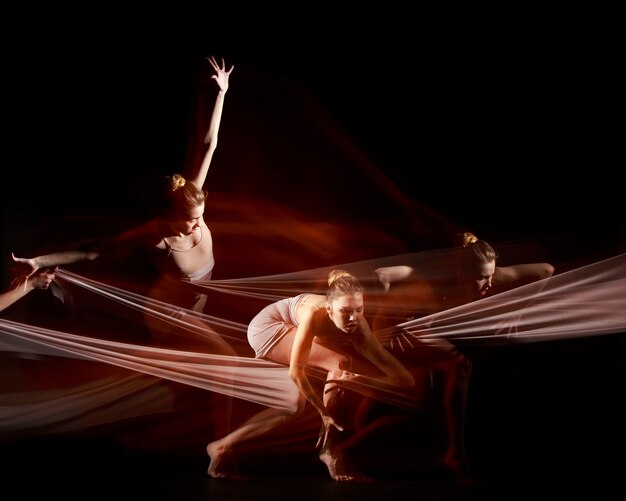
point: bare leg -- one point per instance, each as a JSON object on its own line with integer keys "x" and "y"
{"x": 442, "y": 355}
{"x": 259, "y": 424}
{"x": 190, "y": 333}
{"x": 455, "y": 403}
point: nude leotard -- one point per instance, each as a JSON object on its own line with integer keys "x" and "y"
{"x": 172, "y": 286}
{"x": 272, "y": 323}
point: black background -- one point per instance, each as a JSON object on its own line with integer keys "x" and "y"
{"x": 506, "y": 128}
{"x": 506, "y": 123}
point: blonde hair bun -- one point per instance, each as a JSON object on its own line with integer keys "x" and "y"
{"x": 337, "y": 274}
{"x": 469, "y": 238}
{"x": 177, "y": 181}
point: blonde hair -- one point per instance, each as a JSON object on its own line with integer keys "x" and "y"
{"x": 184, "y": 196}
{"x": 342, "y": 283}
{"x": 469, "y": 238}
{"x": 478, "y": 250}
{"x": 177, "y": 181}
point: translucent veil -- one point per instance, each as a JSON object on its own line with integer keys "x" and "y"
{"x": 585, "y": 301}
{"x": 90, "y": 361}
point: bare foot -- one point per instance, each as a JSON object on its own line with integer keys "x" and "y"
{"x": 338, "y": 471}
{"x": 220, "y": 457}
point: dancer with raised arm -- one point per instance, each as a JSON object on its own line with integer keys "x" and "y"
{"x": 181, "y": 245}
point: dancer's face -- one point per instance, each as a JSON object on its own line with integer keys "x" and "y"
{"x": 346, "y": 311}
{"x": 483, "y": 276}
{"x": 189, "y": 221}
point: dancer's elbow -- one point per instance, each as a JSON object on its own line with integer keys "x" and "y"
{"x": 547, "y": 270}
{"x": 296, "y": 374}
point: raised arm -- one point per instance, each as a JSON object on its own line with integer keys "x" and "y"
{"x": 221, "y": 77}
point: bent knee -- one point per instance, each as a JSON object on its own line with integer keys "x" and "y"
{"x": 344, "y": 363}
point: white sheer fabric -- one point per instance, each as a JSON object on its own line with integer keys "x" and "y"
{"x": 586, "y": 301}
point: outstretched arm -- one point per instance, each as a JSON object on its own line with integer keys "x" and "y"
{"x": 139, "y": 236}
{"x": 52, "y": 260}
{"x": 23, "y": 285}
{"x": 507, "y": 277}
{"x": 394, "y": 373}
{"x": 221, "y": 77}
{"x": 521, "y": 273}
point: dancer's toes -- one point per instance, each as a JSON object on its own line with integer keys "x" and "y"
{"x": 361, "y": 479}
{"x": 222, "y": 463}
{"x": 227, "y": 475}
{"x": 338, "y": 469}
{"x": 343, "y": 478}
{"x": 352, "y": 477}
